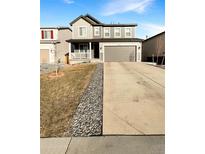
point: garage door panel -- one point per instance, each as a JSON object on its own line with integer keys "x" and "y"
{"x": 44, "y": 56}
{"x": 119, "y": 53}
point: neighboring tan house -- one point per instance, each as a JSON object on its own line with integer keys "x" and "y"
{"x": 53, "y": 45}
{"x": 93, "y": 40}
{"x": 153, "y": 49}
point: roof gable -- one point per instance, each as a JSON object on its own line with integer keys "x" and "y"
{"x": 93, "y": 19}
{"x": 87, "y": 18}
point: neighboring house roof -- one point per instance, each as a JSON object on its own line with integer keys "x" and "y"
{"x": 93, "y": 21}
{"x": 59, "y": 28}
{"x": 154, "y": 36}
{"x": 107, "y": 40}
{"x": 49, "y": 41}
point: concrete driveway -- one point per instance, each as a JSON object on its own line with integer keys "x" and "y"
{"x": 133, "y": 102}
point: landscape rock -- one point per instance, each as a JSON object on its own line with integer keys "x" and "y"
{"x": 87, "y": 120}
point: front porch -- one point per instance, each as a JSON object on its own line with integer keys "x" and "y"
{"x": 84, "y": 51}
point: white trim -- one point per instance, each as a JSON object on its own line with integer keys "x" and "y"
{"x": 85, "y": 31}
{"x": 115, "y": 32}
{"x": 90, "y": 50}
{"x": 130, "y": 32}
{"x": 95, "y": 28}
{"x": 139, "y": 52}
{"x": 121, "y": 43}
{"x": 69, "y": 49}
{"x": 103, "y": 52}
{"x": 108, "y": 31}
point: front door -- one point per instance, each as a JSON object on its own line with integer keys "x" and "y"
{"x": 96, "y": 50}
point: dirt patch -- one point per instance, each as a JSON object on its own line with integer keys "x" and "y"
{"x": 60, "y": 96}
{"x": 55, "y": 75}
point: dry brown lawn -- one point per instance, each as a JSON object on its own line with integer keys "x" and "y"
{"x": 60, "y": 97}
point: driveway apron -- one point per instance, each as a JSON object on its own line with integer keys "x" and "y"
{"x": 133, "y": 99}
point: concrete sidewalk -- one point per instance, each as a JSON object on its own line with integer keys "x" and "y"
{"x": 104, "y": 145}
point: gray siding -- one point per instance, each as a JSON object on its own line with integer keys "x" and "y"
{"x": 62, "y": 47}
{"x": 112, "y": 32}
{"x": 123, "y": 32}
{"x": 75, "y": 28}
{"x": 90, "y": 30}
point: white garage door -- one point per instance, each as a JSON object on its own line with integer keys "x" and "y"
{"x": 119, "y": 54}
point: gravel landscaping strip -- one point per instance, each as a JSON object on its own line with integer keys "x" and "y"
{"x": 87, "y": 120}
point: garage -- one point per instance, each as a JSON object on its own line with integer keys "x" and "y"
{"x": 119, "y": 53}
{"x": 44, "y": 57}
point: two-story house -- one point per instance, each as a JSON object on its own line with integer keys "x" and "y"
{"x": 93, "y": 40}
{"x": 53, "y": 45}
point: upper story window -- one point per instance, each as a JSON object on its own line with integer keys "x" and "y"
{"x": 117, "y": 32}
{"x": 47, "y": 34}
{"x": 97, "y": 31}
{"x": 106, "y": 31}
{"x": 82, "y": 31}
{"x": 128, "y": 32}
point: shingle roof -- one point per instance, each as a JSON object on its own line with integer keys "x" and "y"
{"x": 59, "y": 27}
{"x": 93, "y": 21}
{"x": 154, "y": 36}
{"x": 119, "y": 25}
{"x": 107, "y": 40}
{"x": 93, "y": 18}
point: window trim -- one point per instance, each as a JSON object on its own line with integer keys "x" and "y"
{"x": 130, "y": 32}
{"x": 115, "y": 32}
{"x": 95, "y": 31}
{"x": 85, "y": 31}
{"x": 108, "y": 28}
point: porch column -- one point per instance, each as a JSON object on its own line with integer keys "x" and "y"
{"x": 69, "y": 49}
{"x": 90, "y": 50}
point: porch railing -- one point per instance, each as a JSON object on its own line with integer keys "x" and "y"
{"x": 81, "y": 54}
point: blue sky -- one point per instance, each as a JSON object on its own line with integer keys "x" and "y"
{"x": 148, "y": 14}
